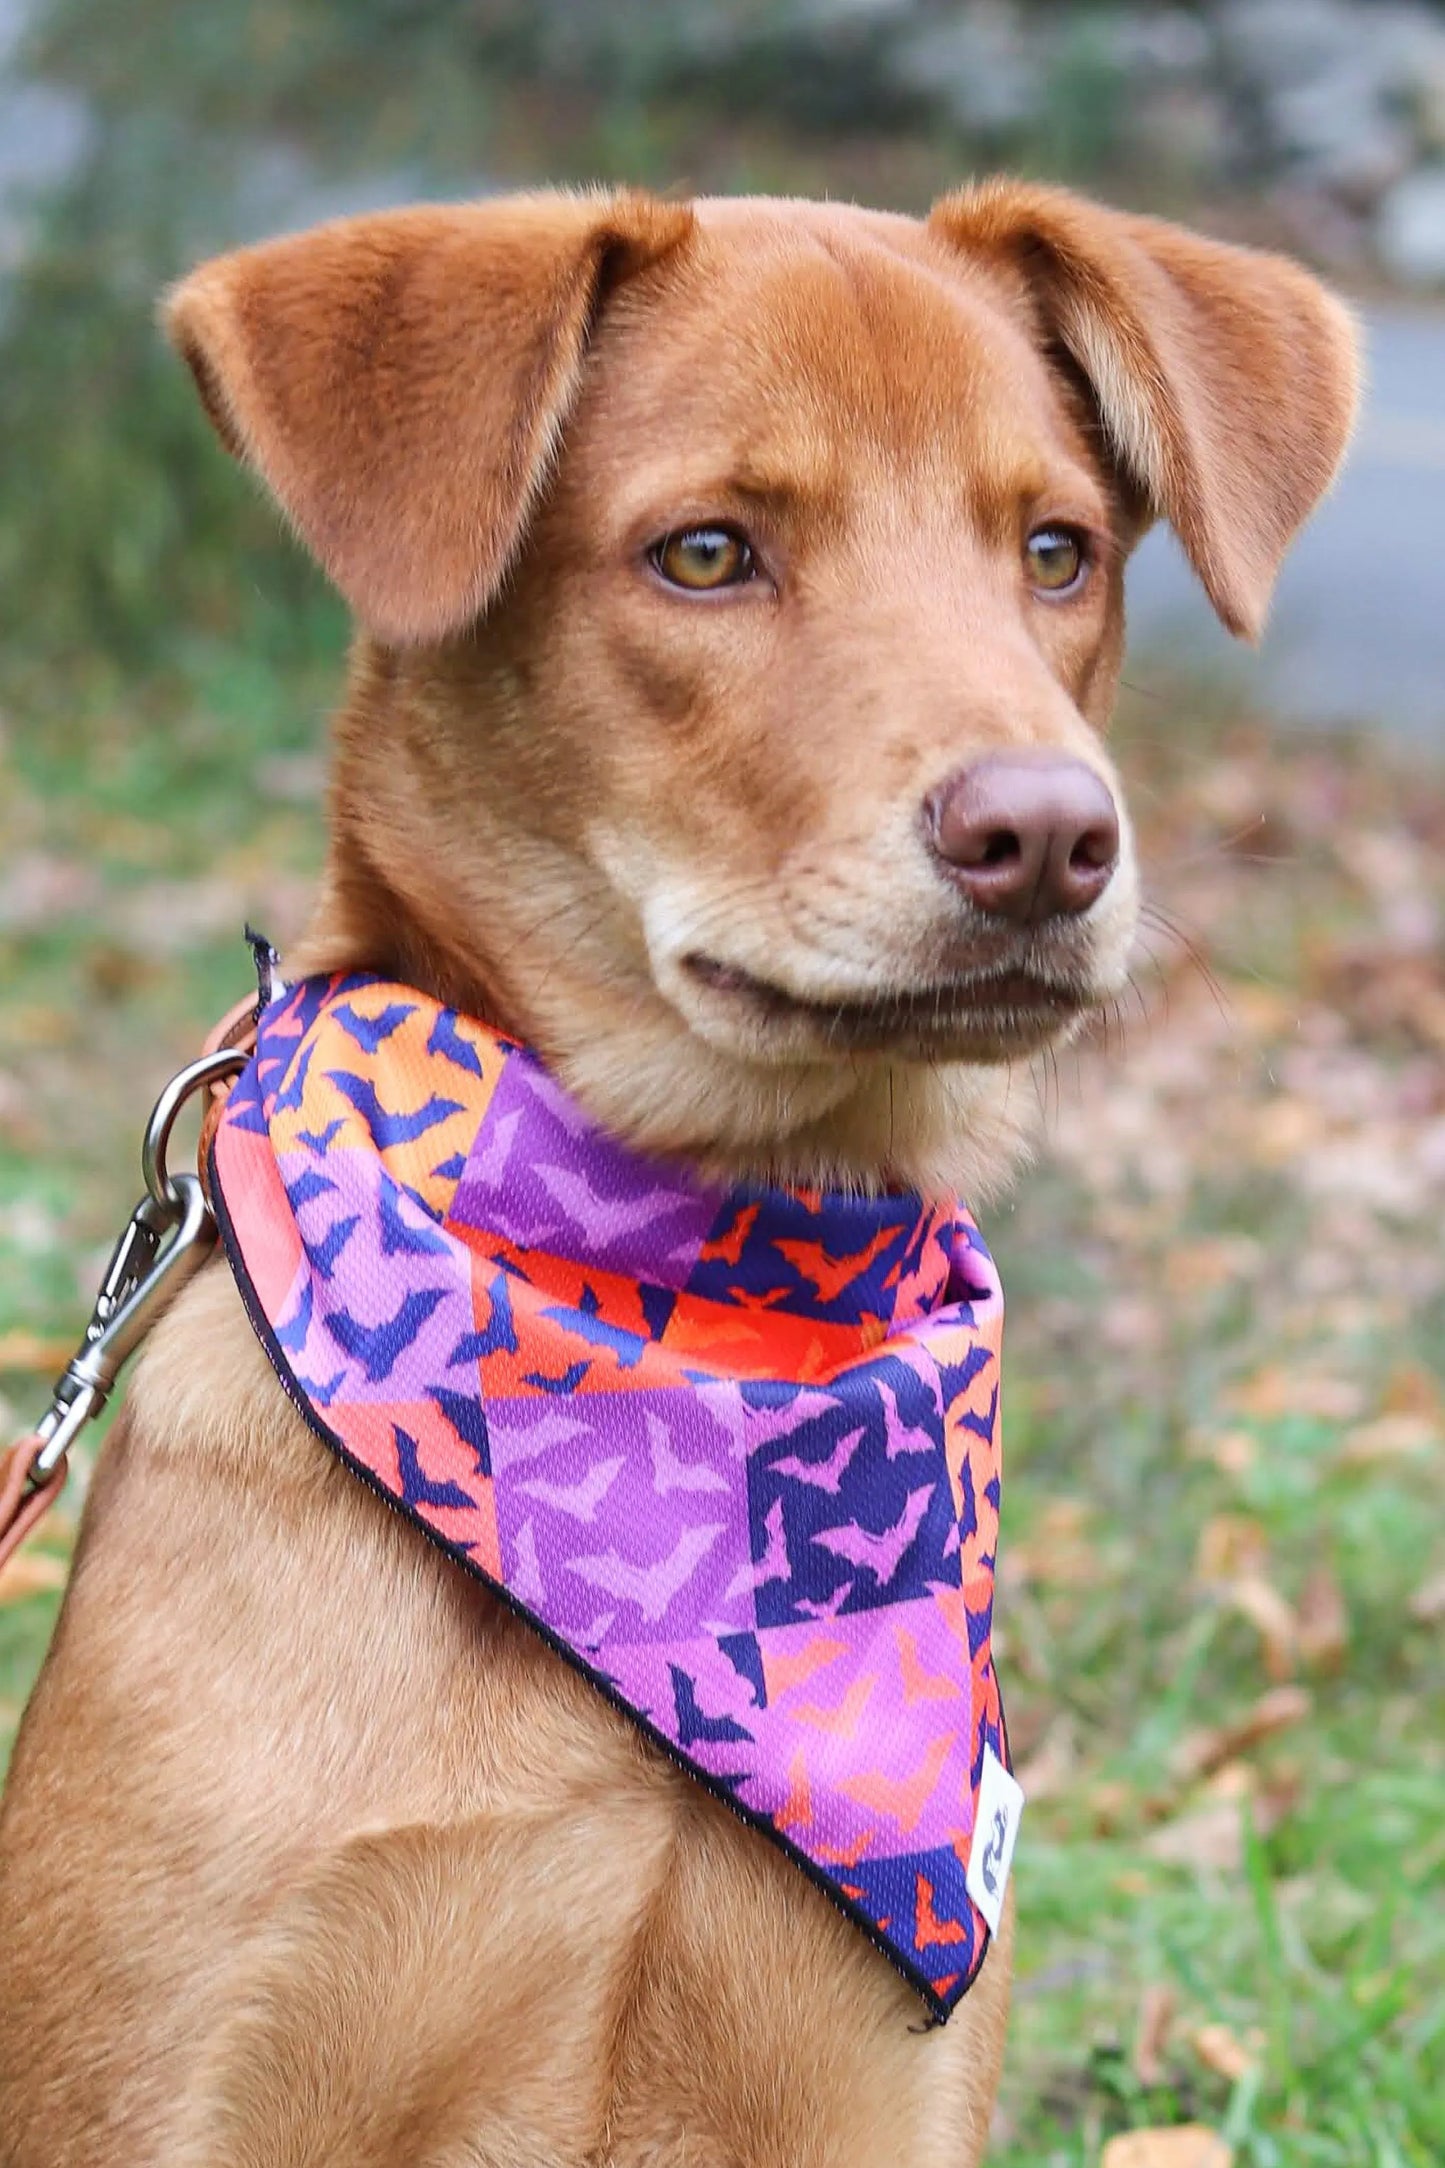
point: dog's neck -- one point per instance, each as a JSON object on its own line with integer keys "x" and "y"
{"x": 862, "y": 1123}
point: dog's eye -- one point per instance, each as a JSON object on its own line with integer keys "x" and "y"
{"x": 701, "y": 558}
{"x": 1055, "y": 557}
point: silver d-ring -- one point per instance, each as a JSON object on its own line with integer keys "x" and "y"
{"x": 226, "y": 1061}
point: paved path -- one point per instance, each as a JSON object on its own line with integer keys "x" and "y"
{"x": 1358, "y": 630}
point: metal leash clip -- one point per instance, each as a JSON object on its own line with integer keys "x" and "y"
{"x": 171, "y": 1232}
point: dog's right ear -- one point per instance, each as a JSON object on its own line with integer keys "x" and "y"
{"x": 400, "y": 381}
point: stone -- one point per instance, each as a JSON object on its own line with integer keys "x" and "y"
{"x": 15, "y": 20}
{"x": 1339, "y": 132}
{"x": 1277, "y": 44}
{"x": 46, "y": 134}
{"x": 1160, "y": 42}
{"x": 1182, "y": 132}
{"x": 1425, "y": 106}
{"x": 849, "y": 14}
{"x": 1405, "y": 41}
{"x": 1410, "y": 228}
{"x": 980, "y": 68}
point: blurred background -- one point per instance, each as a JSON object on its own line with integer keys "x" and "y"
{"x": 1223, "y": 1575}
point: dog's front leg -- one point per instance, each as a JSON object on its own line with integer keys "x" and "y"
{"x": 418, "y": 1999}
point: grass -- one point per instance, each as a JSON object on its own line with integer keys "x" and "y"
{"x": 1223, "y": 1569}
{"x": 1227, "y": 1307}
{"x": 1225, "y": 1439}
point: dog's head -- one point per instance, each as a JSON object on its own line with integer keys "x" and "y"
{"x": 740, "y": 589}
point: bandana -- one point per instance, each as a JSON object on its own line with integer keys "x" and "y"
{"x": 734, "y": 1452}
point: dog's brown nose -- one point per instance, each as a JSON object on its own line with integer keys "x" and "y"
{"x": 1027, "y": 837}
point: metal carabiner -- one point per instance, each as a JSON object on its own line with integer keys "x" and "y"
{"x": 170, "y": 1233}
{"x": 206, "y": 1069}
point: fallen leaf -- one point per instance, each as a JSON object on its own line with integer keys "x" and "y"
{"x": 1266, "y": 1013}
{"x": 1230, "y": 1545}
{"x": 37, "y": 887}
{"x": 1187, "y": 2145}
{"x": 1427, "y": 1605}
{"x": 1390, "y": 1437}
{"x": 1157, "y": 2006}
{"x": 1276, "y": 1797}
{"x": 1131, "y": 1324}
{"x": 1112, "y": 1806}
{"x": 34, "y": 1024}
{"x": 1208, "y": 1836}
{"x": 291, "y": 778}
{"x": 1201, "y": 1753}
{"x": 1413, "y": 1390}
{"x": 1048, "y": 1772}
{"x": 1233, "y": 1452}
{"x": 1058, "y": 1553}
{"x": 33, "y": 1354}
{"x": 1224, "y": 2053}
{"x": 31, "y": 1573}
{"x": 1276, "y": 1390}
{"x": 1285, "y": 1129}
{"x": 1198, "y": 1268}
{"x": 1322, "y": 1622}
{"x": 170, "y": 917}
{"x": 1236, "y": 1780}
{"x": 1272, "y": 1618}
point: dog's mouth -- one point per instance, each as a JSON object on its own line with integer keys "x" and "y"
{"x": 983, "y": 1015}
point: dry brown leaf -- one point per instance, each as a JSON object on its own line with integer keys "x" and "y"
{"x": 1059, "y": 1553}
{"x": 1224, "y": 2052}
{"x": 1276, "y": 1798}
{"x": 1277, "y": 1390}
{"x": 1404, "y": 1436}
{"x": 37, "y": 1024}
{"x": 1285, "y": 1128}
{"x": 1427, "y": 1605}
{"x": 1233, "y": 1452}
{"x": 1131, "y": 1324}
{"x": 1207, "y": 1836}
{"x": 1413, "y": 1390}
{"x": 1261, "y": 1010}
{"x": 1049, "y": 1770}
{"x": 33, "y": 1354}
{"x": 168, "y": 917}
{"x": 1272, "y": 1618}
{"x": 1236, "y": 1780}
{"x": 1157, "y": 2006}
{"x": 1187, "y": 2145}
{"x": 1322, "y": 1620}
{"x": 1201, "y": 1753}
{"x": 1230, "y": 1545}
{"x": 1198, "y": 1268}
{"x": 1111, "y": 1806}
{"x": 38, "y": 887}
{"x": 31, "y": 1573}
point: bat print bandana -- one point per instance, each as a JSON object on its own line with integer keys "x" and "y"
{"x": 733, "y": 1452}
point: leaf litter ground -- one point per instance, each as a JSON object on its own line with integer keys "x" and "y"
{"x": 1222, "y": 1589}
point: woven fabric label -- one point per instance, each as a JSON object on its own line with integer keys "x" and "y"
{"x": 995, "y": 1833}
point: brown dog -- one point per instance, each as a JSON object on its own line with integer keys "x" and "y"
{"x": 740, "y": 599}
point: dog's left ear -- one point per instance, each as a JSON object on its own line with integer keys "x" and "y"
{"x": 1225, "y": 380}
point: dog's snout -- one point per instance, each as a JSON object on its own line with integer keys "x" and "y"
{"x": 1027, "y": 838}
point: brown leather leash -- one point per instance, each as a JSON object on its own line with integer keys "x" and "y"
{"x": 168, "y": 1237}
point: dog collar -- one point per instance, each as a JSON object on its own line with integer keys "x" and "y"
{"x": 734, "y": 1452}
